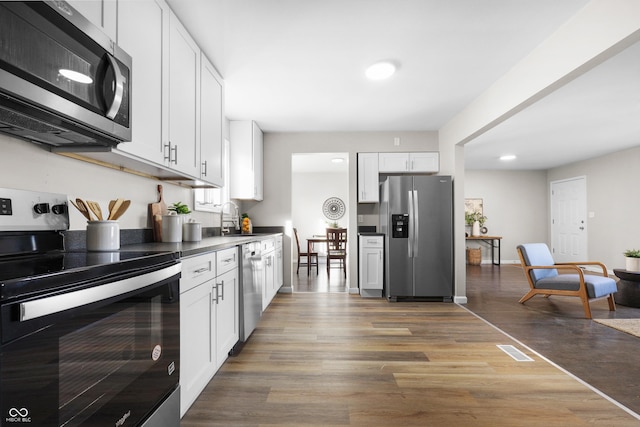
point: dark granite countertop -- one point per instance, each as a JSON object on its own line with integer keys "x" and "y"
{"x": 207, "y": 244}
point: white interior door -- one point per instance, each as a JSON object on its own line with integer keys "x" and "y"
{"x": 569, "y": 220}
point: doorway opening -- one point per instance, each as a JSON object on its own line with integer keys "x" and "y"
{"x": 319, "y": 199}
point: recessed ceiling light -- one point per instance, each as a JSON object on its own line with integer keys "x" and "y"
{"x": 508, "y": 157}
{"x": 380, "y": 70}
{"x": 337, "y": 160}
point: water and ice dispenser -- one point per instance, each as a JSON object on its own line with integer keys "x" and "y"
{"x": 400, "y": 226}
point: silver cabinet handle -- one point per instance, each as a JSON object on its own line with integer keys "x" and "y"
{"x": 204, "y": 168}
{"x": 58, "y": 303}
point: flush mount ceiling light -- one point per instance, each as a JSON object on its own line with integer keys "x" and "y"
{"x": 380, "y": 70}
{"x": 508, "y": 157}
{"x": 75, "y": 76}
{"x": 337, "y": 160}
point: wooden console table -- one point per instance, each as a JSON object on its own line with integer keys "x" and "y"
{"x": 494, "y": 241}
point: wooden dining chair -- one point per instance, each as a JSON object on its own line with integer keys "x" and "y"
{"x": 304, "y": 254}
{"x": 337, "y": 248}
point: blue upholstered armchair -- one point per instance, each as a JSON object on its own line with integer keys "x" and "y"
{"x": 542, "y": 273}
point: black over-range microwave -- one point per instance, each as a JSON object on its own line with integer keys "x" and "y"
{"x": 63, "y": 81}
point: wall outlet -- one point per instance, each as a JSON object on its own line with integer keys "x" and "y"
{"x": 360, "y": 218}
{"x": 396, "y": 141}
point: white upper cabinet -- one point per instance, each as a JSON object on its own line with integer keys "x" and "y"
{"x": 149, "y": 90}
{"x": 424, "y": 162}
{"x": 101, "y": 13}
{"x": 368, "y": 191}
{"x": 182, "y": 150}
{"x": 246, "y": 157}
{"x": 211, "y": 113}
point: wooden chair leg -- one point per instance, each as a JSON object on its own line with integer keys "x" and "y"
{"x": 527, "y": 296}
{"x": 587, "y": 309}
{"x": 612, "y": 303}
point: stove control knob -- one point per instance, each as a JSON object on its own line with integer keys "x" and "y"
{"x": 41, "y": 208}
{"x": 59, "y": 209}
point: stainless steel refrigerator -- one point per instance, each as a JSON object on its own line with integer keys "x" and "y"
{"x": 416, "y": 215}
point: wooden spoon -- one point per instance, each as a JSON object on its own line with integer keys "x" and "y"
{"x": 95, "y": 208}
{"x": 82, "y": 207}
{"x": 111, "y": 204}
{"x": 121, "y": 210}
{"x": 114, "y": 205}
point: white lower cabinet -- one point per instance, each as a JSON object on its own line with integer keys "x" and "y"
{"x": 371, "y": 266}
{"x": 268, "y": 258}
{"x": 227, "y": 303}
{"x": 197, "y": 342}
{"x": 208, "y": 319}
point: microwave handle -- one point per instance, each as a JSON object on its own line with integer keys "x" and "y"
{"x": 55, "y": 304}
{"x": 119, "y": 92}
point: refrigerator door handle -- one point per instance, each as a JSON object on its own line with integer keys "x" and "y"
{"x": 411, "y": 225}
{"x": 416, "y": 223}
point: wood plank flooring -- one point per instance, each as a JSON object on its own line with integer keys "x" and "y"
{"x": 334, "y": 359}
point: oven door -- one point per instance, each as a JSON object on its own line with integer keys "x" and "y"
{"x": 103, "y": 355}
{"x": 59, "y": 62}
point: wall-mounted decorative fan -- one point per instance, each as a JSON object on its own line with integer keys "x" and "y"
{"x": 333, "y": 208}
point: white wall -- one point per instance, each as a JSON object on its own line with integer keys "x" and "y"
{"x": 28, "y": 166}
{"x": 516, "y": 204}
{"x": 612, "y": 197}
{"x": 309, "y": 191}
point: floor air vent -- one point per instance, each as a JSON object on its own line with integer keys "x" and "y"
{"x": 516, "y": 354}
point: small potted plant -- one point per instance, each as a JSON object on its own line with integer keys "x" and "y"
{"x": 632, "y": 260}
{"x": 179, "y": 208}
{"x": 476, "y": 220}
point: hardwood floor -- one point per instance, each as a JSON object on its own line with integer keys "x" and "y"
{"x": 555, "y": 327}
{"x": 341, "y": 360}
{"x": 320, "y": 281}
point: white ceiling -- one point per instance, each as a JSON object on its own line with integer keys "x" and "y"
{"x": 298, "y": 65}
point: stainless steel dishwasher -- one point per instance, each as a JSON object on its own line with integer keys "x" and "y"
{"x": 251, "y": 288}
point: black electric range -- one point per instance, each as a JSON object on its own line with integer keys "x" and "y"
{"x": 58, "y": 307}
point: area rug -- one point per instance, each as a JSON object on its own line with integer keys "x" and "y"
{"x": 630, "y": 326}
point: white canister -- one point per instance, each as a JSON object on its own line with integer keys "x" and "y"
{"x": 103, "y": 236}
{"x": 171, "y": 228}
{"x": 191, "y": 231}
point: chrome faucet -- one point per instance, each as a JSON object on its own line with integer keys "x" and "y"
{"x": 232, "y": 219}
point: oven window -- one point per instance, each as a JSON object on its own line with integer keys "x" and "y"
{"x": 100, "y": 360}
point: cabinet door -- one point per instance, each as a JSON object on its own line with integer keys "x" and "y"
{"x": 424, "y": 162}
{"x": 393, "y": 162}
{"x": 258, "y": 161}
{"x": 371, "y": 268}
{"x": 246, "y": 160}
{"x": 279, "y": 269}
{"x": 368, "y": 191}
{"x": 197, "y": 345}
{"x": 101, "y": 13}
{"x": 149, "y": 89}
{"x": 211, "y": 116}
{"x": 227, "y": 313}
{"x": 268, "y": 280}
{"x": 184, "y": 109}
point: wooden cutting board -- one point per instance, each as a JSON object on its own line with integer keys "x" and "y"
{"x": 156, "y": 210}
